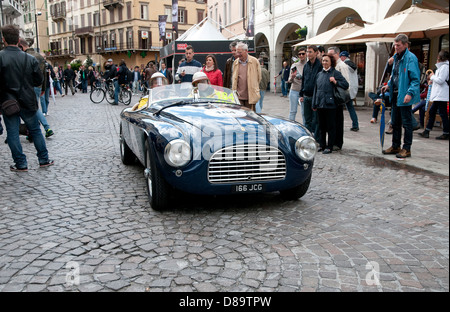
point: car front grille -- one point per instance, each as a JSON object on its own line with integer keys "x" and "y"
{"x": 246, "y": 163}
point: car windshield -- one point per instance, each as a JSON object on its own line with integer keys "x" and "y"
{"x": 179, "y": 94}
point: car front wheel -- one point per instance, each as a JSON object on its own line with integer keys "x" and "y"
{"x": 157, "y": 188}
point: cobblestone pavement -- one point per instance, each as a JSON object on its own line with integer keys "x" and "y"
{"x": 85, "y": 224}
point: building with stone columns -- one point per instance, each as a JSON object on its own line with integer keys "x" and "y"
{"x": 278, "y": 21}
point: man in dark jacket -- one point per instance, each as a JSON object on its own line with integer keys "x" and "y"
{"x": 69, "y": 77}
{"x": 84, "y": 78}
{"x": 19, "y": 74}
{"x": 310, "y": 70}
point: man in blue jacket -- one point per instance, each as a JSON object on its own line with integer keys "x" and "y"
{"x": 404, "y": 87}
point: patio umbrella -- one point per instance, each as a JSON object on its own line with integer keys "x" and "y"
{"x": 438, "y": 29}
{"x": 412, "y": 22}
{"x": 331, "y": 36}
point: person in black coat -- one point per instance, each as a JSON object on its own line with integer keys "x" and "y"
{"x": 69, "y": 78}
{"x": 324, "y": 103}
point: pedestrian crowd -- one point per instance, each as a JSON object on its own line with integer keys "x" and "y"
{"x": 320, "y": 82}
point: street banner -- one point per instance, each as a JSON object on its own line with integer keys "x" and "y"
{"x": 162, "y": 20}
{"x": 251, "y": 21}
{"x": 175, "y": 15}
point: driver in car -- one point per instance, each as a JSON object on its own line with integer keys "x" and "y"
{"x": 156, "y": 80}
{"x": 201, "y": 82}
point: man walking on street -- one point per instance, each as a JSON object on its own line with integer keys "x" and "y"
{"x": 246, "y": 77}
{"x": 23, "y": 44}
{"x": 310, "y": 70}
{"x": 19, "y": 74}
{"x": 284, "y": 73}
{"x": 69, "y": 77}
{"x": 404, "y": 87}
{"x": 353, "y": 89}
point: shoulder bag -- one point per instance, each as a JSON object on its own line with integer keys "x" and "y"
{"x": 12, "y": 107}
{"x": 341, "y": 95}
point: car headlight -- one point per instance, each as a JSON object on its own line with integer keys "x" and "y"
{"x": 306, "y": 148}
{"x": 177, "y": 153}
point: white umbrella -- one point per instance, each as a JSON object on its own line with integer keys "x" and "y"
{"x": 52, "y": 89}
{"x": 413, "y": 22}
{"x": 331, "y": 36}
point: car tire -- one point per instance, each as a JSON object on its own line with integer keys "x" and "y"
{"x": 158, "y": 189}
{"x": 126, "y": 154}
{"x": 298, "y": 191}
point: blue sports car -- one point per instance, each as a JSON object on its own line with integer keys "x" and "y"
{"x": 201, "y": 140}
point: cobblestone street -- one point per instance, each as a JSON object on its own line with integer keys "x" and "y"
{"x": 85, "y": 224}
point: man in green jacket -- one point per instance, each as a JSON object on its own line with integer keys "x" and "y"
{"x": 404, "y": 87}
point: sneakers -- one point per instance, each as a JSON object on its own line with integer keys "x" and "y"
{"x": 49, "y": 133}
{"x": 444, "y": 136}
{"x": 425, "y": 134}
{"x": 327, "y": 151}
{"x": 390, "y": 130}
{"x": 392, "y": 150}
{"x": 403, "y": 154}
{"x": 47, "y": 164}
{"x": 18, "y": 169}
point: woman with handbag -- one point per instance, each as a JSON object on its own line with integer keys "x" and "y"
{"x": 325, "y": 103}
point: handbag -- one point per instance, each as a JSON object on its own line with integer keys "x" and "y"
{"x": 341, "y": 95}
{"x": 12, "y": 107}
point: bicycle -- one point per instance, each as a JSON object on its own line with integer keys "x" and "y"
{"x": 101, "y": 90}
{"x": 125, "y": 94}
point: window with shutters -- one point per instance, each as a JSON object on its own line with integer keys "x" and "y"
{"x": 130, "y": 39}
{"x": 120, "y": 12}
{"x": 144, "y": 11}
{"x": 112, "y": 36}
{"x": 182, "y": 16}
{"x": 128, "y": 10}
{"x": 82, "y": 20}
{"x": 111, "y": 16}
{"x": 200, "y": 15}
{"x": 89, "y": 19}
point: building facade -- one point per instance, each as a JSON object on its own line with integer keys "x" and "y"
{"x": 116, "y": 29}
{"x": 278, "y": 21}
{"x": 35, "y": 23}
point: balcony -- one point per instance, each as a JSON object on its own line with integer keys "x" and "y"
{"x": 58, "y": 15}
{"x": 112, "y": 4}
{"x": 87, "y": 31}
{"x": 60, "y": 53}
{"x": 12, "y": 8}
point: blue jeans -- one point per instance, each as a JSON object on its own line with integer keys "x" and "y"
{"x": 12, "y": 124}
{"x": 311, "y": 119}
{"x": 259, "y": 104}
{"x": 57, "y": 86}
{"x": 284, "y": 89}
{"x": 401, "y": 116}
{"x": 84, "y": 85}
{"x": 39, "y": 113}
{"x": 116, "y": 91}
{"x": 45, "y": 100}
{"x": 294, "y": 96}
{"x": 352, "y": 112}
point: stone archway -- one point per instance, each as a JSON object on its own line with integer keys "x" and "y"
{"x": 283, "y": 50}
{"x": 262, "y": 47}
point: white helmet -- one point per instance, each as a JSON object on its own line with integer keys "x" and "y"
{"x": 159, "y": 79}
{"x": 198, "y": 77}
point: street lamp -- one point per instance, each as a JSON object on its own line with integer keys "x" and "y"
{"x": 38, "y": 13}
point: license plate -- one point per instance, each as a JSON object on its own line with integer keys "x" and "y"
{"x": 248, "y": 188}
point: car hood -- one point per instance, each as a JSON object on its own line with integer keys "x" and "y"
{"x": 218, "y": 117}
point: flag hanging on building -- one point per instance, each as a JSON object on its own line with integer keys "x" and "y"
{"x": 251, "y": 21}
{"x": 175, "y": 15}
{"x": 162, "y": 26}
